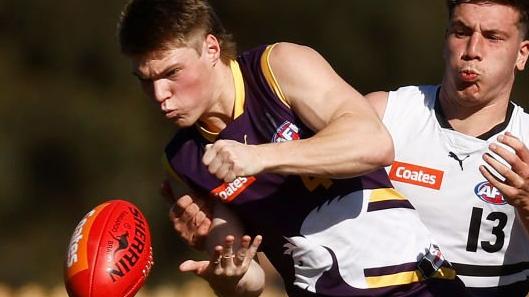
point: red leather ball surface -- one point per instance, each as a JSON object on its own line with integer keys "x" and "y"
{"x": 110, "y": 252}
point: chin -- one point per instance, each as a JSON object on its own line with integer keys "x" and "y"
{"x": 180, "y": 122}
{"x": 468, "y": 89}
{"x": 470, "y": 99}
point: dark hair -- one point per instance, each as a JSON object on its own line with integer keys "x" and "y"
{"x": 522, "y": 6}
{"x": 149, "y": 25}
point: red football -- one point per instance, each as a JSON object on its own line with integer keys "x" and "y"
{"x": 110, "y": 253}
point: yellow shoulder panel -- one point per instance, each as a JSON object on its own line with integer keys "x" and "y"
{"x": 269, "y": 75}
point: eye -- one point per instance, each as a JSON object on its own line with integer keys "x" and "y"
{"x": 300, "y": 263}
{"x": 459, "y": 33}
{"x": 460, "y": 30}
{"x": 493, "y": 37}
{"x": 172, "y": 73}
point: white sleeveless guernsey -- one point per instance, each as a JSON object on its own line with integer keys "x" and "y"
{"x": 436, "y": 168}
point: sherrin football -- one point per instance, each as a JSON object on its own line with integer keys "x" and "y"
{"x": 110, "y": 253}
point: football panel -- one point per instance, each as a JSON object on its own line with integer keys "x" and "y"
{"x": 79, "y": 258}
{"x": 124, "y": 257}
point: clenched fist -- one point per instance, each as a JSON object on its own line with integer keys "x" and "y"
{"x": 228, "y": 159}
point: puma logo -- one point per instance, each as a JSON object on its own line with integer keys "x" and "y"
{"x": 455, "y": 157}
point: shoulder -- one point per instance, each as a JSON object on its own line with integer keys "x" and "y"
{"x": 378, "y": 101}
{"x": 287, "y": 59}
{"x": 414, "y": 96}
{"x": 524, "y": 114}
{"x": 521, "y": 121}
{"x": 301, "y": 71}
{"x": 403, "y": 96}
{"x": 408, "y": 92}
{"x": 284, "y": 51}
{"x": 291, "y": 61}
{"x": 409, "y": 104}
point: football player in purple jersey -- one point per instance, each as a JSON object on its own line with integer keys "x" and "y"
{"x": 292, "y": 150}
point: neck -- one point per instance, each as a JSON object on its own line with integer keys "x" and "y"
{"x": 472, "y": 119}
{"x": 220, "y": 112}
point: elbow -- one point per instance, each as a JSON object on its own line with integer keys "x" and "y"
{"x": 385, "y": 151}
{"x": 388, "y": 156}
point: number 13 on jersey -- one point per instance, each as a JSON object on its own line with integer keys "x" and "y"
{"x": 500, "y": 220}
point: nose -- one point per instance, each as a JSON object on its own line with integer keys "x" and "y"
{"x": 160, "y": 90}
{"x": 473, "y": 47}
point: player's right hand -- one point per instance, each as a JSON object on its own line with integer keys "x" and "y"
{"x": 229, "y": 159}
{"x": 190, "y": 216}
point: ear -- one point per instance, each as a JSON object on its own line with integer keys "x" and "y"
{"x": 212, "y": 49}
{"x": 523, "y": 54}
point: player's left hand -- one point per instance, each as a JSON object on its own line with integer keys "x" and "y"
{"x": 226, "y": 267}
{"x": 228, "y": 159}
{"x": 515, "y": 187}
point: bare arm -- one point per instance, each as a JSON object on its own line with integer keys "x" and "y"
{"x": 378, "y": 101}
{"x": 229, "y": 273}
{"x": 350, "y": 139}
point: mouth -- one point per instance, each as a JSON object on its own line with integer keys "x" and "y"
{"x": 171, "y": 114}
{"x": 468, "y": 75}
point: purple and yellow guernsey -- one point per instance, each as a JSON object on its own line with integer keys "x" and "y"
{"x": 326, "y": 237}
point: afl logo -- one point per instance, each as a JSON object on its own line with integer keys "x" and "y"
{"x": 486, "y": 192}
{"x": 286, "y": 132}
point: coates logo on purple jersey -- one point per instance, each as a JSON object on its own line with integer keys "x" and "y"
{"x": 286, "y": 132}
{"x": 486, "y": 192}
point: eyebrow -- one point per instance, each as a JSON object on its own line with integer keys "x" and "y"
{"x": 460, "y": 23}
{"x": 167, "y": 69}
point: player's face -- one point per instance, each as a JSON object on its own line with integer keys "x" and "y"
{"x": 180, "y": 80}
{"x": 484, "y": 48}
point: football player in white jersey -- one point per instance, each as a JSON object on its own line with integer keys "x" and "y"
{"x": 461, "y": 147}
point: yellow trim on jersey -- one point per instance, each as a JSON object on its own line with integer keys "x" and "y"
{"x": 445, "y": 273}
{"x": 238, "y": 106}
{"x": 386, "y": 194}
{"x": 208, "y": 135}
{"x": 401, "y": 278}
{"x": 269, "y": 74}
{"x": 406, "y": 277}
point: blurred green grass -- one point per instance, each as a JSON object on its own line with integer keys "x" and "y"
{"x": 195, "y": 288}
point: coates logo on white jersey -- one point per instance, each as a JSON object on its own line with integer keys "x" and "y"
{"x": 229, "y": 191}
{"x": 286, "y": 132}
{"x": 416, "y": 175}
{"x": 486, "y": 192}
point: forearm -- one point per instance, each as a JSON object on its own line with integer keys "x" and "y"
{"x": 346, "y": 147}
{"x": 227, "y": 283}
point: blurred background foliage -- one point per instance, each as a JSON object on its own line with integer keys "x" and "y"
{"x": 77, "y": 131}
